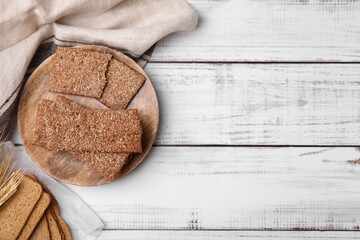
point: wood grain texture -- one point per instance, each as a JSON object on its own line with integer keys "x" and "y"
{"x": 198, "y": 191}
{"x": 261, "y": 104}
{"x": 62, "y": 165}
{"x": 234, "y": 188}
{"x": 256, "y": 104}
{"x": 220, "y": 235}
{"x": 267, "y": 30}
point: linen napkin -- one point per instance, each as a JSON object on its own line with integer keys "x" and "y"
{"x": 132, "y": 26}
{"x": 82, "y": 221}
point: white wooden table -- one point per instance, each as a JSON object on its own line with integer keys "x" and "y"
{"x": 260, "y": 114}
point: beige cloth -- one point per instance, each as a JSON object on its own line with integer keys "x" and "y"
{"x": 130, "y": 25}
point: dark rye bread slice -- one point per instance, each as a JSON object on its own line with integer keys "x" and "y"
{"x": 16, "y": 211}
{"x": 35, "y": 216}
{"x": 76, "y": 129}
{"x": 38, "y": 212}
{"x": 55, "y": 209}
{"x": 65, "y": 230}
{"x": 64, "y": 227}
{"x": 55, "y": 233}
{"x": 57, "y": 223}
{"x": 79, "y": 72}
{"x": 42, "y": 231}
{"x": 123, "y": 83}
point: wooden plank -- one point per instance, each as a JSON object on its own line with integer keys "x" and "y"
{"x": 271, "y": 30}
{"x": 219, "y": 235}
{"x": 247, "y": 104}
{"x": 234, "y": 188}
{"x": 256, "y": 104}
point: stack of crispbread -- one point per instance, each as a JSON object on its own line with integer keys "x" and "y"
{"x": 66, "y": 126}
{"x": 32, "y": 213}
{"x": 101, "y": 139}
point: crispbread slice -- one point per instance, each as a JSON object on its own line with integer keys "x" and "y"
{"x": 42, "y": 231}
{"x": 79, "y": 71}
{"x": 120, "y": 122}
{"x": 77, "y": 129}
{"x": 42, "y": 121}
{"x": 123, "y": 83}
{"x": 16, "y": 211}
{"x": 107, "y": 165}
{"x": 53, "y": 226}
{"x": 35, "y": 216}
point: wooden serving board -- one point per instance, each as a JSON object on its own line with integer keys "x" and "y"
{"x": 62, "y": 165}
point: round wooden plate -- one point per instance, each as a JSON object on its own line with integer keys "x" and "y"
{"x": 62, "y": 165}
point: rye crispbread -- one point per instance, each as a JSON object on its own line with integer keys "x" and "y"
{"x": 107, "y": 165}
{"x": 16, "y": 211}
{"x": 77, "y": 129}
{"x": 122, "y": 85}
{"x": 121, "y": 122}
{"x": 42, "y": 121}
{"x": 35, "y": 216}
{"x": 41, "y": 231}
{"x": 79, "y": 72}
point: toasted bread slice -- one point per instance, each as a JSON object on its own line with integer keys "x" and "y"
{"x": 42, "y": 231}
{"x": 17, "y": 210}
{"x": 55, "y": 208}
{"x": 35, "y": 216}
{"x": 53, "y": 226}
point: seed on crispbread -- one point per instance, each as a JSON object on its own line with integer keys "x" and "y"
{"x": 107, "y": 165}
{"x": 122, "y": 85}
{"x": 73, "y": 128}
{"x": 79, "y": 71}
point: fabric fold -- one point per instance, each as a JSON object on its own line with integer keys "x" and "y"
{"x": 132, "y": 26}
